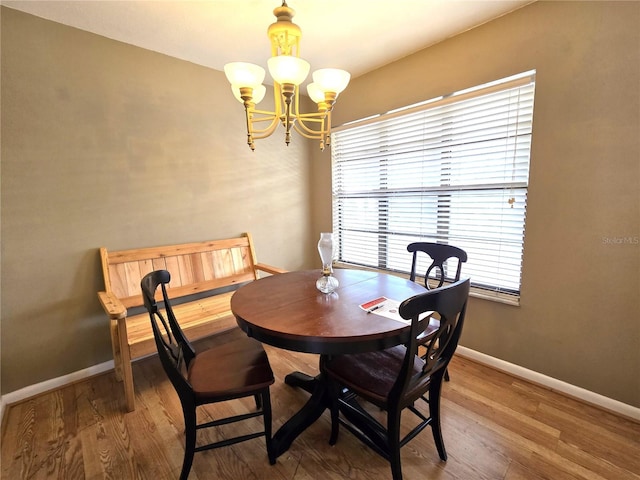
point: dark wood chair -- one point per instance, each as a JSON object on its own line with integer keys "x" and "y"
{"x": 236, "y": 367}
{"x": 440, "y": 254}
{"x": 396, "y": 378}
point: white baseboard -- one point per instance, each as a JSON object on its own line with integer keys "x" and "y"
{"x": 54, "y": 383}
{"x": 586, "y": 396}
{"x": 2, "y": 404}
{"x": 515, "y": 370}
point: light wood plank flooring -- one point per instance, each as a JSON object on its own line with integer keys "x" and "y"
{"x": 495, "y": 427}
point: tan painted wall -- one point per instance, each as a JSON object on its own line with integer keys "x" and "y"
{"x": 108, "y": 144}
{"x": 90, "y": 128}
{"x": 580, "y": 315}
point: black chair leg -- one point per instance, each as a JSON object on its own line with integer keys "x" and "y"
{"x": 258, "y": 400}
{"x": 334, "y": 391}
{"x": 190, "y": 442}
{"x": 434, "y": 412}
{"x": 446, "y": 375}
{"x": 265, "y": 401}
{"x": 393, "y": 432}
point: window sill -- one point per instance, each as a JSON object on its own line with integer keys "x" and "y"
{"x": 499, "y": 297}
{"x": 475, "y": 292}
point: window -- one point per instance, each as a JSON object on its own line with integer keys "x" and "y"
{"x": 450, "y": 170}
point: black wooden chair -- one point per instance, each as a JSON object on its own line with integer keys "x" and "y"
{"x": 397, "y": 378}
{"x": 235, "y": 367}
{"x": 440, "y": 255}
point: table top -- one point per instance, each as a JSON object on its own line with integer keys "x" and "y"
{"x": 287, "y": 311}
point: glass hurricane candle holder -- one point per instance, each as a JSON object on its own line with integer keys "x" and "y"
{"x": 327, "y": 283}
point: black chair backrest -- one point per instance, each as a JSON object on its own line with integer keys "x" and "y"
{"x": 450, "y": 302}
{"x": 174, "y": 349}
{"x": 439, "y": 254}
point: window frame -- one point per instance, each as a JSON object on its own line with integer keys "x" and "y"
{"x": 526, "y": 81}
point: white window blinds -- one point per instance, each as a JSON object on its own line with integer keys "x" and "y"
{"x": 453, "y": 170}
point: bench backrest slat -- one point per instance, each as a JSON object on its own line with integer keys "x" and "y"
{"x": 194, "y": 267}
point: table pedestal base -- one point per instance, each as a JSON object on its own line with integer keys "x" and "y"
{"x": 301, "y": 380}
{"x": 307, "y": 415}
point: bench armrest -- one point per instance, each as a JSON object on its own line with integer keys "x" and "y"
{"x": 112, "y": 305}
{"x": 269, "y": 268}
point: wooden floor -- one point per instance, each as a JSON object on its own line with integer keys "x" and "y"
{"x": 495, "y": 427}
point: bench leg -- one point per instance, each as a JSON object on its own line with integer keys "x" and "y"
{"x": 127, "y": 372}
{"x": 115, "y": 346}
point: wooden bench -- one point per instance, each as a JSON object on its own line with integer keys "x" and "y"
{"x": 203, "y": 278}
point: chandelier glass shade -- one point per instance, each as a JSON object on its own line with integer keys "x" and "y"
{"x": 288, "y": 71}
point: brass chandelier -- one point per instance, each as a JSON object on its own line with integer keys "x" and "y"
{"x": 288, "y": 71}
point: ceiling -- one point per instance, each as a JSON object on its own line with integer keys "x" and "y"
{"x": 355, "y": 35}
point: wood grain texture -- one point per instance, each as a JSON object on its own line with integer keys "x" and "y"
{"x": 495, "y": 427}
{"x": 195, "y": 268}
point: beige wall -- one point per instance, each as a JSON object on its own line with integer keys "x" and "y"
{"x": 92, "y": 130}
{"x": 579, "y": 320}
{"x": 108, "y": 144}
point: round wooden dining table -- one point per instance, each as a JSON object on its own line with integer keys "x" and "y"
{"x": 287, "y": 311}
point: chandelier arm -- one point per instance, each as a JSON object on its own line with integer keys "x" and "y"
{"x": 320, "y": 116}
{"x": 317, "y": 117}
{"x": 301, "y": 124}
{"x": 268, "y": 116}
{"x": 265, "y": 132}
{"x": 323, "y": 134}
{"x": 314, "y": 135}
{"x": 308, "y": 133}
{"x": 324, "y": 118}
{"x": 312, "y": 117}
{"x": 273, "y": 117}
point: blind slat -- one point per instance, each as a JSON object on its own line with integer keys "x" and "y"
{"x": 452, "y": 171}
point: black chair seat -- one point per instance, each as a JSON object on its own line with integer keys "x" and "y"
{"x": 240, "y": 364}
{"x": 355, "y": 372}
